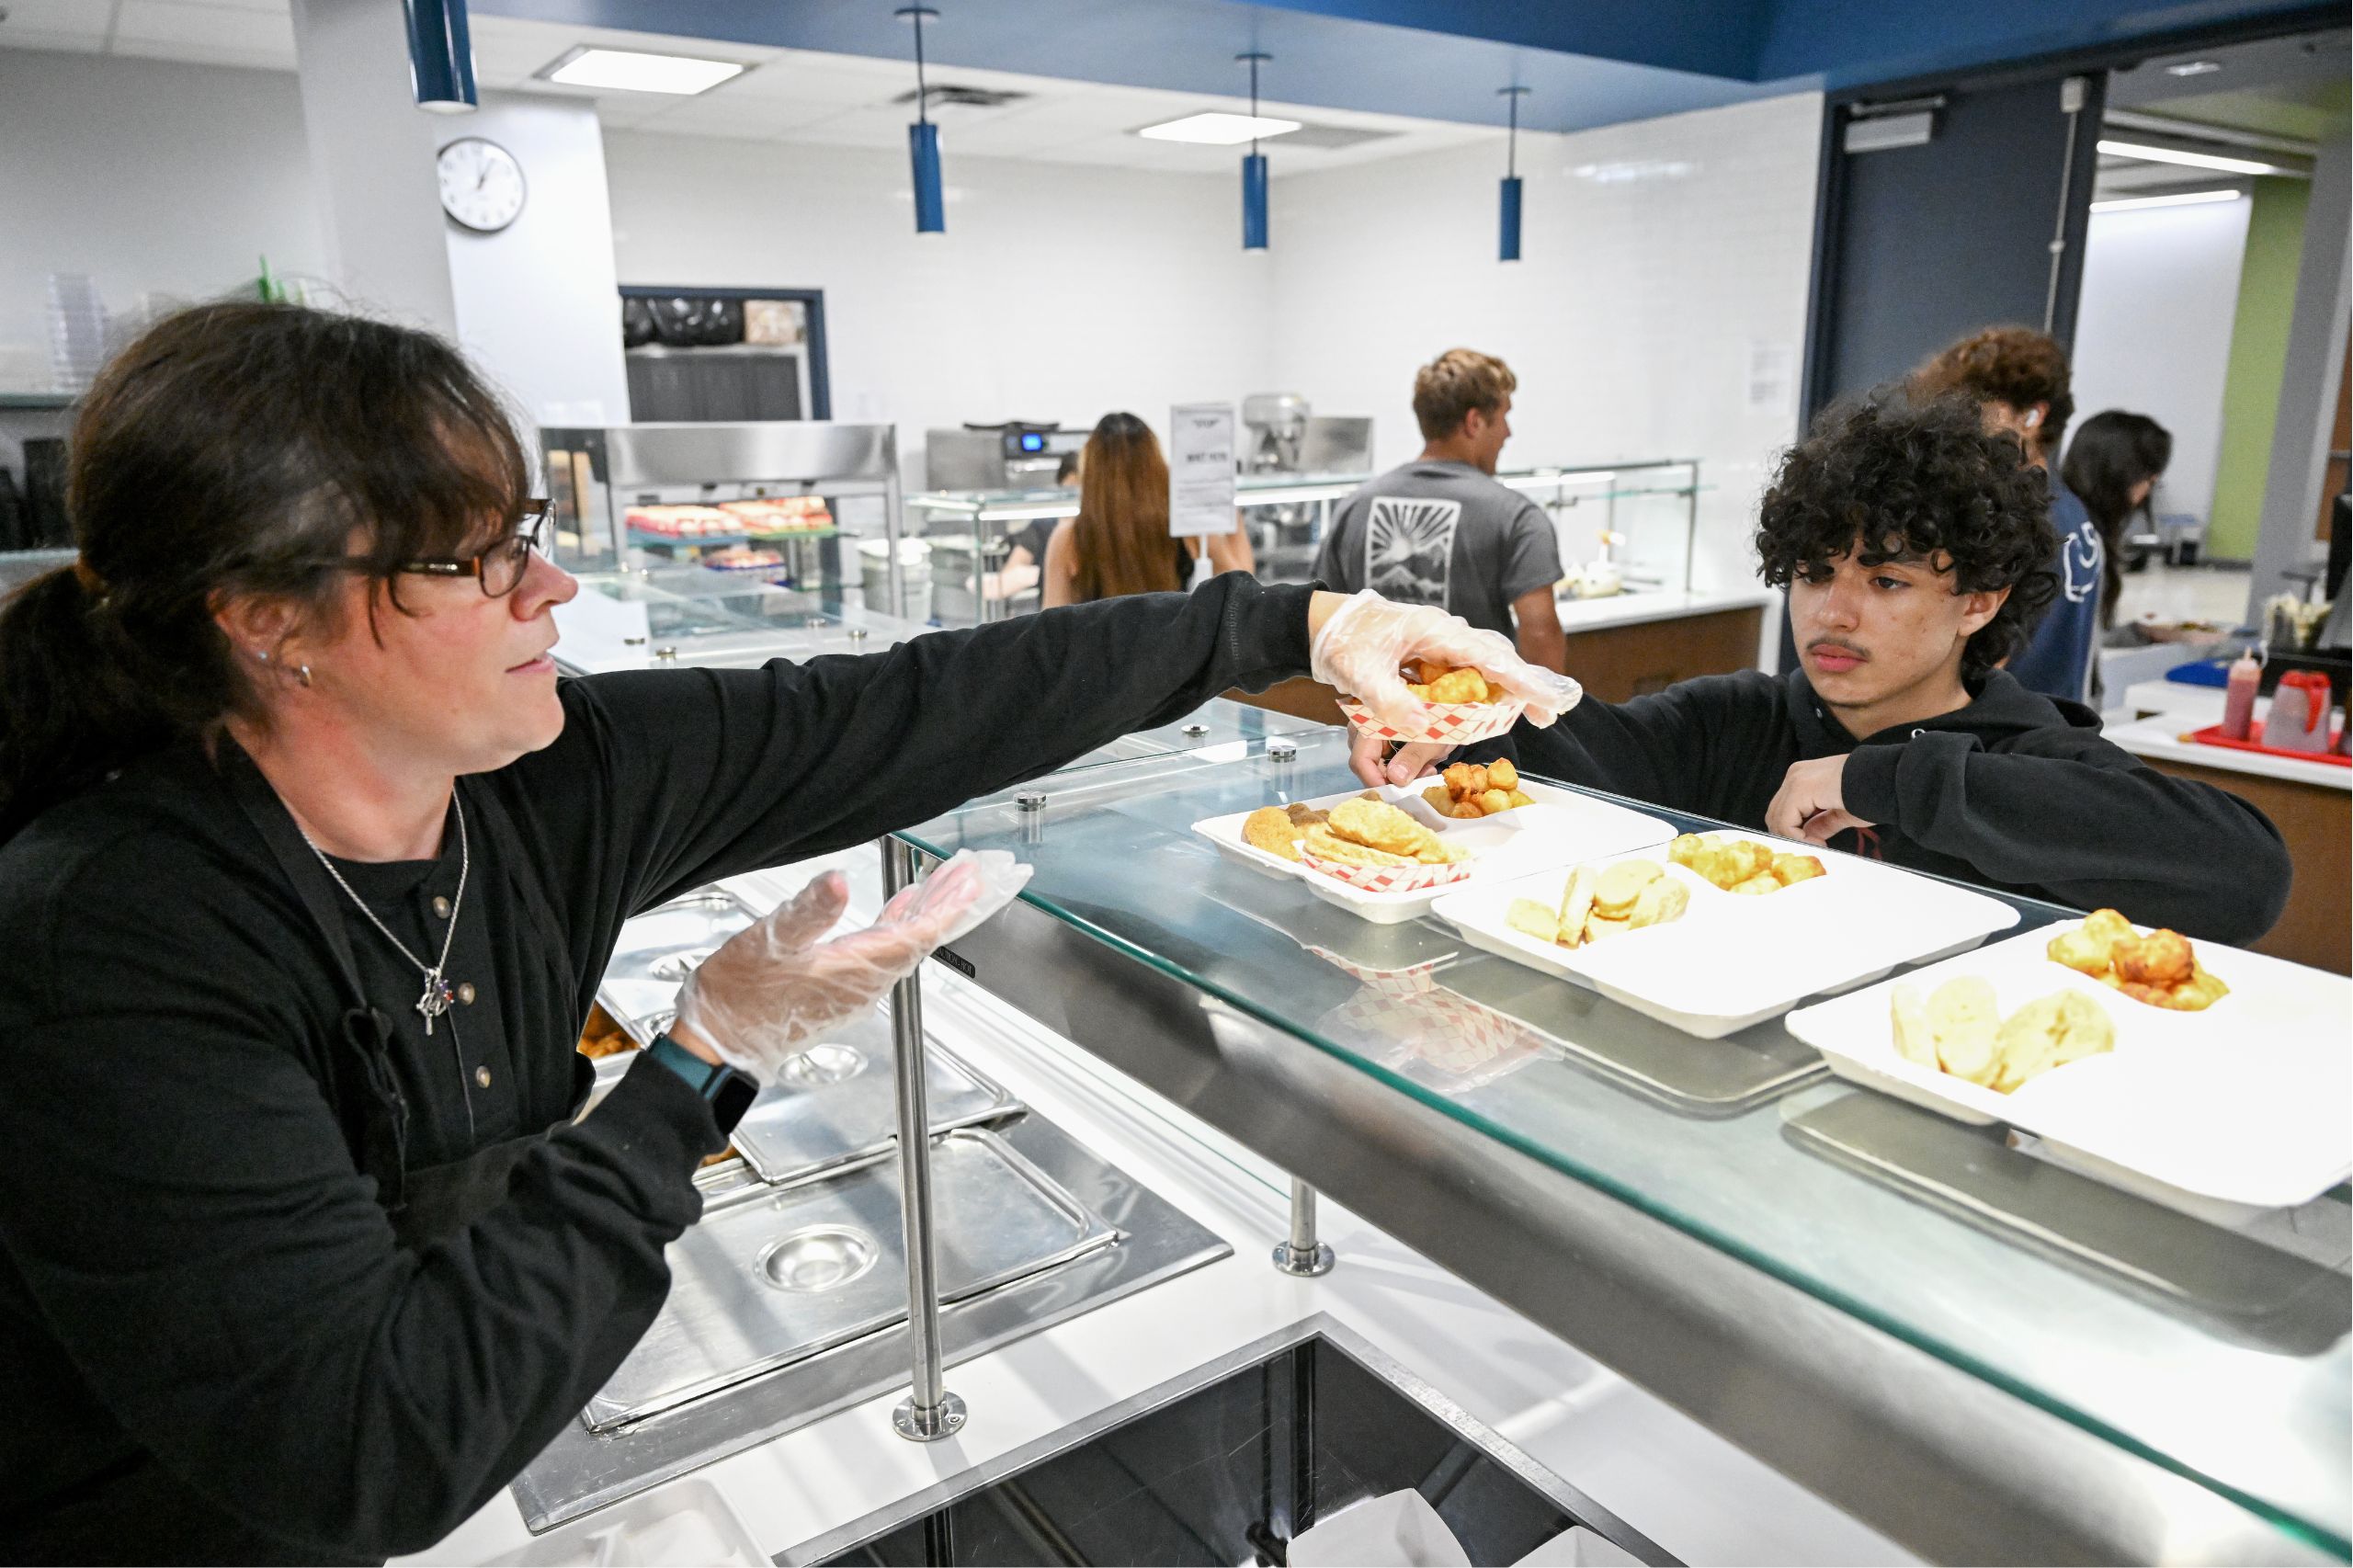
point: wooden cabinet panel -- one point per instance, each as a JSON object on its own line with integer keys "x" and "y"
{"x": 1619, "y": 662}
{"x": 2317, "y": 824}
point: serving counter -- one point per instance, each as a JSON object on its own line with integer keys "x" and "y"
{"x": 1983, "y": 1355}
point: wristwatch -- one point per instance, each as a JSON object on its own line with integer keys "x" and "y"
{"x": 728, "y": 1092}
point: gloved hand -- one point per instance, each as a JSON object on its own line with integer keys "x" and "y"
{"x": 1359, "y": 648}
{"x": 776, "y": 985}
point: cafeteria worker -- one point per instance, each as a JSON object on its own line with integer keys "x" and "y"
{"x": 309, "y": 866}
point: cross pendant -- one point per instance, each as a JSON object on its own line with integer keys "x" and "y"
{"x": 435, "y": 1002}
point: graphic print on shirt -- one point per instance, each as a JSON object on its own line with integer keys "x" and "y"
{"x": 2080, "y": 561}
{"x": 1409, "y": 548}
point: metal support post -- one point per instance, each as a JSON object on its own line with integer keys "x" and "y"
{"x": 929, "y": 1412}
{"x": 1303, "y": 1254}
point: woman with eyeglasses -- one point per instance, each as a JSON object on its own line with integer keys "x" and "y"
{"x": 309, "y": 868}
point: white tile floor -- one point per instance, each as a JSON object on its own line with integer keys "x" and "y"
{"x": 2183, "y": 593}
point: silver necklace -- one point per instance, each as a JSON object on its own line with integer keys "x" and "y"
{"x": 435, "y": 999}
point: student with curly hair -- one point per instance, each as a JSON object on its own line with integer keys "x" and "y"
{"x": 2020, "y": 382}
{"x": 1916, "y": 549}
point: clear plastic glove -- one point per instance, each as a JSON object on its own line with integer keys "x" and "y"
{"x": 776, "y": 985}
{"x": 1364, "y": 641}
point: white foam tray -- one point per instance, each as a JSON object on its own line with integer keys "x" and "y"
{"x": 1561, "y": 826}
{"x": 2236, "y": 1110}
{"x": 1735, "y": 960}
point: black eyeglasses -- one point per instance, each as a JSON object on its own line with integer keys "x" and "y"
{"x": 499, "y": 569}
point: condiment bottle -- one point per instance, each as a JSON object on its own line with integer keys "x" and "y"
{"x": 2238, "y": 700}
{"x": 2298, "y": 719}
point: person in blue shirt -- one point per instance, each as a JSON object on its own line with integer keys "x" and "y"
{"x": 2020, "y": 378}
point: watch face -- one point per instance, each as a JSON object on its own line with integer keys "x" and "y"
{"x": 481, "y": 185}
{"x": 731, "y": 1097}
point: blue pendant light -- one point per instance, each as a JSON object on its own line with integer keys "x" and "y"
{"x": 1254, "y": 169}
{"x": 440, "y": 56}
{"x": 923, "y": 139}
{"x": 1509, "y": 249}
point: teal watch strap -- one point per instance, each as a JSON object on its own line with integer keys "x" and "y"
{"x": 697, "y": 1072}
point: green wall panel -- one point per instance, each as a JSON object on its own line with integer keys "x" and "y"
{"x": 2275, "y": 243}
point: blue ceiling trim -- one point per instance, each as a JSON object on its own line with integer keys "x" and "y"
{"x": 1320, "y": 61}
{"x": 1591, "y": 62}
{"x": 1855, "y": 43}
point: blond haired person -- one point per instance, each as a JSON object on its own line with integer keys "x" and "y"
{"x": 1441, "y": 532}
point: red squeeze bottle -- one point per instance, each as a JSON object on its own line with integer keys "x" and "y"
{"x": 2238, "y": 700}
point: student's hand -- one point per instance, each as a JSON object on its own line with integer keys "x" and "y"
{"x": 1360, "y": 642}
{"x": 1416, "y": 761}
{"x": 1811, "y": 803}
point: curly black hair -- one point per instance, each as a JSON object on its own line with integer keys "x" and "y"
{"x": 1899, "y": 477}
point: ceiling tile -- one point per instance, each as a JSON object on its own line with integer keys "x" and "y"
{"x": 54, "y": 18}
{"x": 858, "y": 128}
{"x": 739, "y": 119}
{"x": 81, "y": 42}
{"x": 209, "y": 28}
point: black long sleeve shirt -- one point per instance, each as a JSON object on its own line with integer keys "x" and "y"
{"x": 2015, "y": 790}
{"x": 212, "y": 1344}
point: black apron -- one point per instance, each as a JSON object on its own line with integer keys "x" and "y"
{"x": 424, "y": 1203}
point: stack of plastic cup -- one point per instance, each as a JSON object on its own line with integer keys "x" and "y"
{"x": 78, "y": 330}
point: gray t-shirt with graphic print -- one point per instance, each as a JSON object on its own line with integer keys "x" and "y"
{"x": 1445, "y": 534}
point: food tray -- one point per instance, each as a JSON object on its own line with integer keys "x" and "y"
{"x": 833, "y": 1105}
{"x": 778, "y": 1276}
{"x": 1562, "y": 825}
{"x": 1450, "y": 723}
{"x": 2222, "y": 1114}
{"x": 2212, "y": 736}
{"x": 1735, "y": 959}
{"x": 657, "y": 949}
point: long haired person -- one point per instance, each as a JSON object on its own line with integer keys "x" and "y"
{"x": 1120, "y": 543}
{"x": 2113, "y": 465}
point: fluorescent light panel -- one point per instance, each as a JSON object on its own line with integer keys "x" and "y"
{"x": 2148, "y": 154}
{"x": 630, "y": 71}
{"x": 2178, "y": 198}
{"x": 1219, "y": 129}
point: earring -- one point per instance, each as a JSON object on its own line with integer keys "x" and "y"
{"x": 262, "y": 654}
{"x": 303, "y": 675}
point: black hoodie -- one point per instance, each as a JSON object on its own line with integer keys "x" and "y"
{"x": 2017, "y": 792}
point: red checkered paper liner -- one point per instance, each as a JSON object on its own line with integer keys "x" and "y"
{"x": 1450, "y": 723}
{"x": 1386, "y": 879}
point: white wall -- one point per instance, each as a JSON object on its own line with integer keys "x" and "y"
{"x": 1059, "y": 291}
{"x": 150, "y": 176}
{"x": 2153, "y": 335}
{"x": 1660, "y": 258}
{"x": 538, "y": 303}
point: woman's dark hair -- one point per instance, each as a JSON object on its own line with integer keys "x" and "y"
{"x": 234, "y": 449}
{"x": 2112, "y": 452}
{"x": 1120, "y": 535}
{"x": 1895, "y": 478}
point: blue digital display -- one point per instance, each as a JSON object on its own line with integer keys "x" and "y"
{"x": 1033, "y": 442}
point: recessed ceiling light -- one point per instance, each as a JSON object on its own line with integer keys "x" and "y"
{"x": 631, "y": 71}
{"x": 1219, "y": 129}
{"x": 2191, "y": 160}
{"x": 2194, "y": 68}
{"x": 2178, "y": 198}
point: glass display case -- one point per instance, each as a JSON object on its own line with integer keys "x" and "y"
{"x": 763, "y": 501}
{"x": 1624, "y": 528}
{"x": 1980, "y": 1352}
